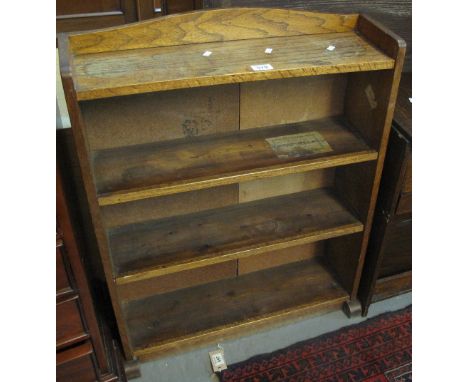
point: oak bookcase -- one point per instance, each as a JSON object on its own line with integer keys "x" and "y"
{"x": 231, "y": 161}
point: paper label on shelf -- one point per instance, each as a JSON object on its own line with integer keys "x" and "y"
{"x": 370, "y": 96}
{"x": 261, "y": 67}
{"x": 299, "y": 145}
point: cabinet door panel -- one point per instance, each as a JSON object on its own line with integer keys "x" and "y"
{"x": 93, "y": 14}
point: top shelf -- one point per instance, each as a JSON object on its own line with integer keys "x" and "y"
{"x": 117, "y": 73}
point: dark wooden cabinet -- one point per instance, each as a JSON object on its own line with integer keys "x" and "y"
{"x": 85, "y": 350}
{"x": 387, "y": 270}
{"x": 94, "y": 14}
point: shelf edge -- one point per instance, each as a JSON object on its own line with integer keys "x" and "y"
{"x": 235, "y": 78}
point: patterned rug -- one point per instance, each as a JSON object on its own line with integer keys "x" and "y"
{"x": 377, "y": 350}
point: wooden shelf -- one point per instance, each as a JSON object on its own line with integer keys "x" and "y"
{"x": 212, "y": 311}
{"x": 162, "y": 168}
{"x": 118, "y": 73}
{"x": 163, "y": 246}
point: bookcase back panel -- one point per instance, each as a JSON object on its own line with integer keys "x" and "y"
{"x": 220, "y": 25}
{"x": 116, "y": 215}
{"x": 160, "y": 116}
{"x": 179, "y": 280}
{"x": 214, "y": 272}
{"x": 290, "y": 100}
{"x": 171, "y": 205}
{"x": 280, "y": 257}
{"x": 286, "y": 184}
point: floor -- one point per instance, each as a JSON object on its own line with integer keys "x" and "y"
{"x": 195, "y": 366}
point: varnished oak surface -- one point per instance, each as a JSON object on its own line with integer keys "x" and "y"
{"x": 218, "y": 25}
{"x": 142, "y": 171}
{"x": 146, "y": 70}
{"x": 172, "y": 244}
{"x": 190, "y": 314}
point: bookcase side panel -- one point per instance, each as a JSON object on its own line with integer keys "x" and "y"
{"x": 369, "y": 106}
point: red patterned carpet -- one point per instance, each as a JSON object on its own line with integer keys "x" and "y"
{"x": 377, "y": 350}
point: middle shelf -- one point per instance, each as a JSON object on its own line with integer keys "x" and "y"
{"x": 153, "y": 248}
{"x": 161, "y": 323}
{"x": 161, "y": 168}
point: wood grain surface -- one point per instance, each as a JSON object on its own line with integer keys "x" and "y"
{"x": 214, "y": 26}
{"x": 301, "y": 99}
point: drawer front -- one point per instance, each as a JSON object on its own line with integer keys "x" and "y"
{"x": 62, "y": 281}
{"x": 76, "y": 364}
{"x": 70, "y": 328}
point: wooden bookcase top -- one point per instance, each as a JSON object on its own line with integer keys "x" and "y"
{"x": 170, "y": 53}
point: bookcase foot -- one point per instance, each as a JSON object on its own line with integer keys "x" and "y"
{"x": 352, "y": 308}
{"x": 132, "y": 369}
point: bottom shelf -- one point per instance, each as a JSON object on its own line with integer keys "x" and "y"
{"x": 214, "y": 311}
